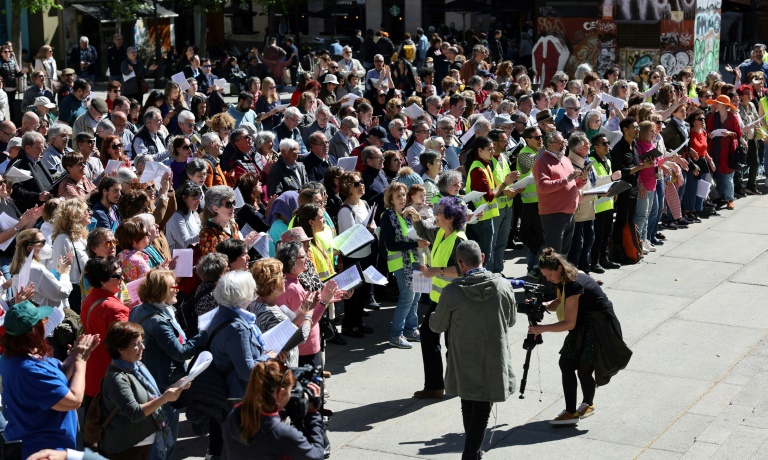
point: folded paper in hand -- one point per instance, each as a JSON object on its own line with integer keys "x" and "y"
{"x": 17, "y": 175}
{"x": 474, "y": 195}
{"x": 475, "y": 215}
{"x": 6, "y": 222}
{"x": 348, "y": 163}
{"x": 180, "y": 80}
{"x": 154, "y": 171}
{"x": 421, "y": 283}
{"x": 276, "y": 338}
{"x": 373, "y": 276}
{"x": 184, "y": 262}
{"x": 413, "y": 111}
{"x": 349, "y": 279}
{"x": 610, "y": 189}
{"x": 204, "y": 359}
{"x": 351, "y": 98}
{"x": 522, "y": 183}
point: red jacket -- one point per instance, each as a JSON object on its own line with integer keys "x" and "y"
{"x": 727, "y": 144}
{"x": 106, "y": 313}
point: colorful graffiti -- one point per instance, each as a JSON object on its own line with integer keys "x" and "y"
{"x": 653, "y": 10}
{"x": 591, "y": 41}
{"x": 674, "y": 62}
{"x": 706, "y": 49}
{"x": 632, "y": 59}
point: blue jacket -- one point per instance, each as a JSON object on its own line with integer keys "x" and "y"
{"x": 236, "y": 348}
{"x": 164, "y": 355}
{"x": 103, "y": 219}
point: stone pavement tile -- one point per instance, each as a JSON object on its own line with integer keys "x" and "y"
{"x": 750, "y": 219}
{"x": 677, "y": 277}
{"x": 561, "y": 442}
{"x": 681, "y": 436}
{"x": 658, "y": 454}
{"x": 724, "y": 424}
{"x": 350, "y": 420}
{"x": 743, "y": 443}
{"x": 685, "y": 234}
{"x": 761, "y": 453}
{"x": 746, "y": 369}
{"x": 352, "y": 453}
{"x": 691, "y": 349}
{"x": 754, "y": 272}
{"x": 718, "y": 306}
{"x": 700, "y": 450}
{"x": 722, "y": 246}
{"x": 716, "y": 400}
{"x": 755, "y": 392}
{"x": 641, "y": 312}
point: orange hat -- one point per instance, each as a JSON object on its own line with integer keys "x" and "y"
{"x": 722, "y": 99}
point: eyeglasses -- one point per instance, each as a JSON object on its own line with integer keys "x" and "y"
{"x": 109, "y": 243}
{"x": 206, "y": 67}
{"x": 117, "y": 276}
{"x": 378, "y": 60}
{"x": 229, "y": 204}
{"x": 654, "y": 77}
{"x": 403, "y": 129}
{"x": 91, "y": 141}
{"x": 189, "y": 125}
{"x": 574, "y": 108}
{"x": 116, "y": 146}
{"x": 114, "y": 91}
{"x": 80, "y": 163}
{"x": 35, "y": 243}
{"x": 186, "y": 147}
{"x": 322, "y": 143}
{"x": 334, "y": 67}
{"x": 700, "y": 119}
{"x": 357, "y": 183}
{"x": 622, "y": 86}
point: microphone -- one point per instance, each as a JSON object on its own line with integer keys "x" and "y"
{"x": 517, "y": 284}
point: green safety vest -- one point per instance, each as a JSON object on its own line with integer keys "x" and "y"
{"x": 529, "y": 192}
{"x": 395, "y": 258}
{"x": 604, "y": 203}
{"x": 500, "y": 171}
{"x": 323, "y": 262}
{"x": 492, "y": 208}
{"x": 441, "y": 252}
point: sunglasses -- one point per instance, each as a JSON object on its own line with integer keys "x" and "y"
{"x": 186, "y": 147}
{"x": 109, "y": 243}
{"x": 206, "y": 67}
{"x": 225, "y": 128}
{"x": 229, "y": 204}
{"x": 92, "y": 141}
{"x": 538, "y": 138}
{"x": 116, "y": 146}
{"x": 357, "y": 183}
{"x": 117, "y": 276}
{"x": 622, "y": 86}
{"x": 114, "y": 91}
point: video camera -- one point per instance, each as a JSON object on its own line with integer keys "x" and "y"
{"x": 534, "y": 309}
{"x": 298, "y": 405}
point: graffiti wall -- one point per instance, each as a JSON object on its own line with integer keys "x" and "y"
{"x": 591, "y": 41}
{"x": 706, "y": 48}
{"x": 676, "y": 44}
{"x": 632, "y": 59}
{"x": 653, "y": 10}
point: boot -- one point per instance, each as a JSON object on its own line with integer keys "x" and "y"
{"x": 607, "y": 263}
{"x": 597, "y": 268}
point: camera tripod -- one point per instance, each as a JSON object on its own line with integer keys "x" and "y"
{"x": 529, "y": 344}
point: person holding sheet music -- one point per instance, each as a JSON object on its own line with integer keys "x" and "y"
{"x": 445, "y": 236}
{"x": 401, "y": 259}
{"x": 355, "y": 211}
{"x": 749, "y": 115}
{"x": 49, "y": 289}
{"x": 26, "y": 220}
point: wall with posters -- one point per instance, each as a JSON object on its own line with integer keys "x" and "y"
{"x": 591, "y": 41}
{"x": 706, "y": 48}
{"x": 632, "y": 59}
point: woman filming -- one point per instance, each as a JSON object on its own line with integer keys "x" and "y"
{"x": 585, "y": 312}
{"x": 255, "y": 424}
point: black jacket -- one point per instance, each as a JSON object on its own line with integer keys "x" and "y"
{"x": 623, "y": 158}
{"x": 89, "y": 55}
{"x": 284, "y": 177}
{"x": 27, "y": 194}
{"x": 115, "y": 58}
{"x": 613, "y": 354}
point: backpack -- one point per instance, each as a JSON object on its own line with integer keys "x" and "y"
{"x": 94, "y": 426}
{"x": 630, "y": 241}
{"x": 65, "y": 333}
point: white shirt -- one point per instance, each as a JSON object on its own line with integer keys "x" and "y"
{"x": 348, "y": 219}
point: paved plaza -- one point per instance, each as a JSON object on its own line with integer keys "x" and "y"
{"x": 694, "y": 314}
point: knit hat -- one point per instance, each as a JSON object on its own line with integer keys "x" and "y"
{"x": 408, "y": 177}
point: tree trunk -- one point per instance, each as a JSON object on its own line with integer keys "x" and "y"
{"x": 755, "y": 22}
{"x": 16, "y": 35}
{"x": 272, "y": 27}
{"x": 203, "y": 32}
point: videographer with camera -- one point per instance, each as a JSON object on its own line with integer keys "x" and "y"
{"x": 255, "y": 427}
{"x": 476, "y": 311}
{"x": 594, "y": 343}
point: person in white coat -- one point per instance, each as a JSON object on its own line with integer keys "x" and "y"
{"x": 70, "y": 222}
{"x": 49, "y": 290}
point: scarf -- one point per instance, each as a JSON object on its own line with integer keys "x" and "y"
{"x": 400, "y": 238}
{"x": 155, "y": 258}
{"x": 138, "y": 370}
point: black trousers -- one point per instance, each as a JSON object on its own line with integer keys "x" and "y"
{"x": 353, "y": 307}
{"x": 603, "y": 226}
{"x": 517, "y": 210}
{"x": 431, "y": 353}
{"x": 753, "y": 163}
{"x": 625, "y": 212}
{"x": 570, "y": 369}
{"x": 74, "y": 298}
{"x": 475, "y": 415}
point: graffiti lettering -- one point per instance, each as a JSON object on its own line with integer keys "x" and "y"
{"x": 674, "y": 62}
{"x": 706, "y": 48}
{"x": 676, "y": 40}
{"x": 654, "y": 9}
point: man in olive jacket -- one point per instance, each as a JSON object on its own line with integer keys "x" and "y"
{"x": 476, "y": 310}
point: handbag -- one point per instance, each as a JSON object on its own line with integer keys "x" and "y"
{"x": 738, "y": 159}
{"x": 327, "y": 331}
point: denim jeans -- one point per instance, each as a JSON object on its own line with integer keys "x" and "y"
{"x": 725, "y": 185}
{"x": 406, "y": 318}
{"x": 642, "y": 211}
{"x": 688, "y": 199}
{"x": 581, "y": 246}
{"x": 482, "y": 232}
{"x": 655, "y": 215}
{"x": 502, "y": 225}
{"x": 163, "y": 448}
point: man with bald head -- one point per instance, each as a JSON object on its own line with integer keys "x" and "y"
{"x": 120, "y": 120}
{"x": 7, "y": 131}
{"x": 29, "y": 122}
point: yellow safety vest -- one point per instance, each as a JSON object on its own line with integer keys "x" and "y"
{"x": 492, "y": 208}
{"x": 395, "y": 258}
{"x": 500, "y": 171}
{"x": 603, "y": 203}
{"x": 529, "y": 192}
{"x": 441, "y": 252}
{"x": 323, "y": 261}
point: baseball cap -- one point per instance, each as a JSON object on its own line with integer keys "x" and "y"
{"x": 14, "y": 142}
{"x": 294, "y": 234}
{"x": 544, "y": 115}
{"x": 45, "y": 102}
{"x": 378, "y": 131}
{"x": 100, "y": 105}
{"x": 502, "y": 120}
{"x": 484, "y": 73}
{"x": 22, "y": 317}
{"x": 68, "y": 71}
{"x": 351, "y": 123}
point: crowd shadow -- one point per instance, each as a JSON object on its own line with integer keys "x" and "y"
{"x": 537, "y": 432}
{"x": 363, "y": 418}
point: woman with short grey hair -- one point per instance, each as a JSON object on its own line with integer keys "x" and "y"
{"x": 140, "y": 161}
{"x": 209, "y": 269}
{"x": 196, "y": 171}
{"x": 449, "y": 183}
{"x": 183, "y": 228}
{"x": 219, "y": 219}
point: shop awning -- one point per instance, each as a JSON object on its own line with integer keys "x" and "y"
{"x": 103, "y": 13}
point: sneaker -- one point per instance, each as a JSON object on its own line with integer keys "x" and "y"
{"x": 730, "y": 206}
{"x": 585, "y": 410}
{"x": 644, "y": 245}
{"x": 534, "y": 273}
{"x": 650, "y": 245}
{"x": 400, "y": 342}
{"x": 415, "y": 337}
{"x": 566, "y": 418}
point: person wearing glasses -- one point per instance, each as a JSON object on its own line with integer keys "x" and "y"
{"x": 112, "y": 149}
{"x": 572, "y": 119}
{"x": 35, "y": 191}
{"x": 600, "y": 255}
{"x": 76, "y": 183}
{"x": 70, "y": 222}
{"x": 421, "y": 133}
{"x": 58, "y": 138}
{"x": 35, "y": 90}
{"x": 49, "y": 289}
{"x": 220, "y": 203}
{"x": 289, "y": 129}
{"x": 149, "y": 139}
{"x": 180, "y": 152}
{"x": 349, "y": 65}
{"x": 95, "y": 112}
{"x": 10, "y": 71}
{"x": 287, "y": 174}
{"x": 396, "y": 138}
{"x": 167, "y": 347}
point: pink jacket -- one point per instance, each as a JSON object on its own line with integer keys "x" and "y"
{"x": 555, "y": 192}
{"x": 292, "y": 297}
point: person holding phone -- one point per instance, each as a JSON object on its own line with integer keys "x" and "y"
{"x": 584, "y": 217}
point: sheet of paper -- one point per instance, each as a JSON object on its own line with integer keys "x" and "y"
{"x": 718, "y": 132}
{"x": 220, "y": 83}
{"x": 413, "y": 111}
{"x": 24, "y": 272}
{"x": 133, "y": 290}
{"x": 352, "y": 239}
{"x": 370, "y": 216}
{"x": 276, "y": 338}
{"x": 246, "y": 230}
{"x": 608, "y": 99}
{"x": 413, "y": 235}
{"x": 349, "y": 278}
{"x": 204, "y": 320}
{"x": 601, "y": 190}
{"x": 204, "y": 359}
{"x": 17, "y": 175}
{"x": 585, "y": 106}
{"x": 468, "y": 135}
{"x": 522, "y": 183}
{"x": 112, "y": 165}
{"x": 679, "y": 148}
{"x": 702, "y": 190}
{"x": 475, "y": 216}
{"x": 184, "y": 262}
{"x": 129, "y": 76}
{"x": 351, "y": 98}
{"x": 613, "y": 136}
{"x": 281, "y": 107}
{"x": 154, "y": 171}
{"x": 6, "y": 222}
{"x": 421, "y": 283}
{"x": 239, "y": 201}
{"x": 261, "y": 245}
{"x": 181, "y": 80}
{"x": 373, "y": 276}
{"x": 474, "y": 195}
{"x": 55, "y": 318}
{"x": 347, "y": 163}
{"x": 754, "y": 123}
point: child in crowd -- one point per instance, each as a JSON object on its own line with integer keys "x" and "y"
{"x": 417, "y": 198}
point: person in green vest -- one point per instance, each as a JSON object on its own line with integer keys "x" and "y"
{"x": 401, "y": 261}
{"x": 531, "y": 233}
{"x": 603, "y": 205}
{"x": 503, "y": 223}
{"x": 480, "y": 178}
{"x": 445, "y": 236}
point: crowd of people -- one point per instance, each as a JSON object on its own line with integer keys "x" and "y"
{"x": 453, "y": 145}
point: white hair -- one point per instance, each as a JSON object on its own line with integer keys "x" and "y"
{"x": 210, "y": 138}
{"x": 185, "y": 116}
{"x": 292, "y": 112}
{"x": 84, "y": 39}
{"x": 288, "y": 144}
{"x": 235, "y": 289}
